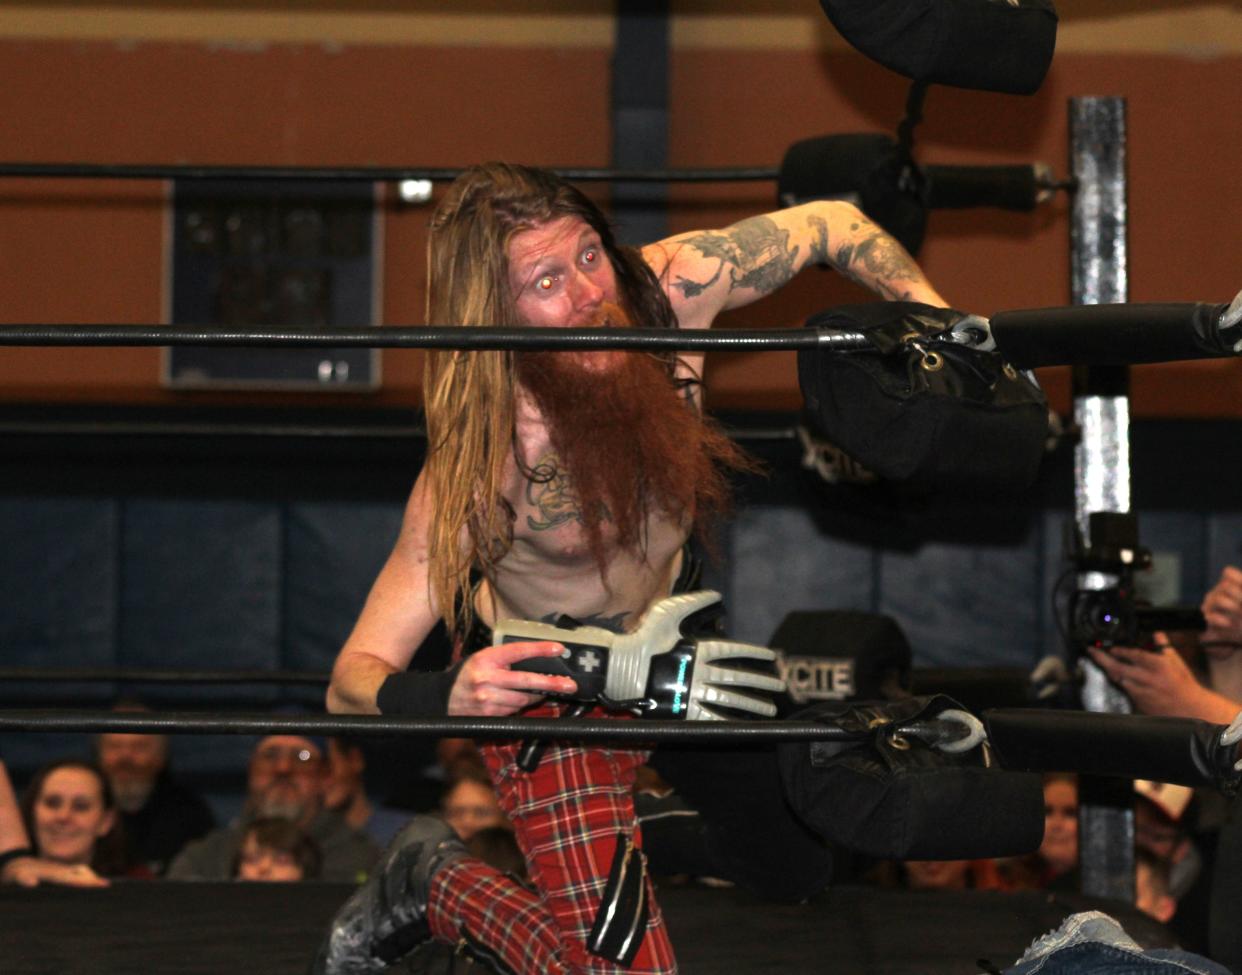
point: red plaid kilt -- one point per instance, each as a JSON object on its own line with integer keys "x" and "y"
{"x": 567, "y": 816}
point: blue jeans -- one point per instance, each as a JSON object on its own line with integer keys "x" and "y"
{"x": 1094, "y": 942}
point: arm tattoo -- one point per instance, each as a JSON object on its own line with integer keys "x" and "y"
{"x": 550, "y": 490}
{"x": 756, "y": 252}
{"x": 819, "y": 239}
{"x": 877, "y": 261}
{"x": 692, "y": 289}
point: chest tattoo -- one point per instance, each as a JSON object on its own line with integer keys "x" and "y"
{"x": 550, "y": 491}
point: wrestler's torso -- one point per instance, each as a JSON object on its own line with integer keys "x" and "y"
{"x": 549, "y": 568}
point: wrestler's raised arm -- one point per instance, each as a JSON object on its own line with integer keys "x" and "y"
{"x": 706, "y": 272}
{"x": 398, "y": 615}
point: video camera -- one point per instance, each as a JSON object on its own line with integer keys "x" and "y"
{"x": 1104, "y": 610}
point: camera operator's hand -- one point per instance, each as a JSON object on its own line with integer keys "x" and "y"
{"x": 1222, "y": 608}
{"x": 1159, "y": 682}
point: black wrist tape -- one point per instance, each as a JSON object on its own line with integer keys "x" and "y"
{"x": 420, "y": 694}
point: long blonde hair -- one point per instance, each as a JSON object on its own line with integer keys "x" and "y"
{"x": 469, "y": 396}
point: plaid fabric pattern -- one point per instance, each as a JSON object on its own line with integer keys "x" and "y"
{"x": 497, "y": 912}
{"x": 567, "y": 815}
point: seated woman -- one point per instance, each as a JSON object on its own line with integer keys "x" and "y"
{"x": 71, "y": 819}
{"x": 949, "y": 875}
{"x": 1054, "y": 866}
{"x": 18, "y": 862}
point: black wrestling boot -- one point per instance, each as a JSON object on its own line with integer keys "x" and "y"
{"x": 386, "y": 918}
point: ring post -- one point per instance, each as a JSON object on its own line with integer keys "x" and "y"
{"x": 640, "y": 68}
{"x": 1099, "y": 275}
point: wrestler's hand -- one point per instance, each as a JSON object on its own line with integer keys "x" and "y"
{"x": 487, "y": 686}
{"x": 1222, "y": 608}
{"x": 666, "y": 668}
{"x": 1157, "y": 682}
{"x": 32, "y": 871}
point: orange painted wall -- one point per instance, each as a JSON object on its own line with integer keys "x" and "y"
{"x": 73, "y": 251}
{"x": 93, "y": 252}
{"x": 1184, "y": 245}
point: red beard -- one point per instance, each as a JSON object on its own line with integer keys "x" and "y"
{"x": 630, "y": 440}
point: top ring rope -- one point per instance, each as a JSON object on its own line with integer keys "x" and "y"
{"x": 1085, "y": 334}
{"x": 369, "y": 173}
{"x": 134, "y": 675}
{"x": 437, "y": 337}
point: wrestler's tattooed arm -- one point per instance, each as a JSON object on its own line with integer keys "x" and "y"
{"x": 756, "y": 253}
{"x": 869, "y": 256}
{"x": 706, "y": 272}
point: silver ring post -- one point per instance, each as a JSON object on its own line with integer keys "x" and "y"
{"x": 1099, "y": 275}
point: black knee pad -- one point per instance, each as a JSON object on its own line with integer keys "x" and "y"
{"x": 621, "y": 921}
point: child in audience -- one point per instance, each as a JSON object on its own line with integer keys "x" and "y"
{"x": 470, "y": 803}
{"x": 275, "y": 851}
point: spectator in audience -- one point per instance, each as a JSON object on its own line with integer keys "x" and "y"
{"x": 19, "y": 863}
{"x": 158, "y": 814}
{"x": 456, "y": 756}
{"x": 286, "y": 779}
{"x": 1151, "y": 886}
{"x": 931, "y": 874}
{"x": 70, "y": 814}
{"x": 1059, "y": 849}
{"x": 274, "y": 850}
{"x": 1167, "y": 821}
{"x": 1158, "y": 810}
{"x": 346, "y": 793}
{"x": 1054, "y": 865}
{"x": 470, "y": 803}
{"x": 950, "y": 874}
{"x": 423, "y": 791}
{"x": 497, "y": 847}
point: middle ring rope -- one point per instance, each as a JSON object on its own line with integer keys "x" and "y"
{"x": 253, "y": 723}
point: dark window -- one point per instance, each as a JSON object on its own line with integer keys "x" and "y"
{"x": 297, "y": 255}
